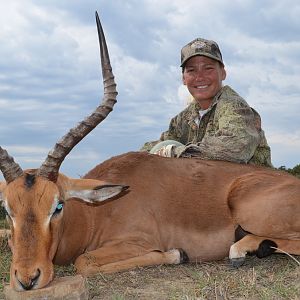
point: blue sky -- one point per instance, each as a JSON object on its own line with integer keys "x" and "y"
{"x": 50, "y": 76}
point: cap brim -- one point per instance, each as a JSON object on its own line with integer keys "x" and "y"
{"x": 201, "y": 54}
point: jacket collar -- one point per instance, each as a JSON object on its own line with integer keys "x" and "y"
{"x": 193, "y": 117}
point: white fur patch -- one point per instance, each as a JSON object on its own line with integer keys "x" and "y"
{"x": 52, "y": 210}
{"x": 235, "y": 253}
{"x": 8, "y": 211}
{"x": 174, "y": 256}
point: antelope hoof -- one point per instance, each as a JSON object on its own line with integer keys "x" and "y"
{"x": 183, "y": 256}
{"x": 237, "y": 262}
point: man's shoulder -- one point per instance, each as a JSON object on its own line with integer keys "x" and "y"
{"x": 229, "y": 97}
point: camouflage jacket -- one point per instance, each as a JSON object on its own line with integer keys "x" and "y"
{"x": 230, "y": 130}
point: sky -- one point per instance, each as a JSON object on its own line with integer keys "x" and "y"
{"x": 50, "y": 76}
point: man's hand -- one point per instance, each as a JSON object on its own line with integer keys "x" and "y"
{"x": 166, "y": 151}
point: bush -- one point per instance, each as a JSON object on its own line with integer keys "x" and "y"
{"x": 2, "y": 213}
{"x": 294, "y": 171}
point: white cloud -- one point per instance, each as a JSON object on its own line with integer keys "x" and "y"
{"x": 135, "y": 75}
{"x": 21, "y": 149}
{"x": 33, "y": 105}
{"x": 291, "y": 140}
{"x": 285, "y": 148}
{"x": 50, "y": 76}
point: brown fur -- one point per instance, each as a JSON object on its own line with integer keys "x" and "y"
{"x": 191, "y": 204}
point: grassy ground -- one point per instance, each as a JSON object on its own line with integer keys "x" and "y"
{"x": 275, "y": 277}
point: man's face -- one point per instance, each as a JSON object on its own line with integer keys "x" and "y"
{"x": 203, "y": 77}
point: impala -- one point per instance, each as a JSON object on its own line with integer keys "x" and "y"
{"x": 139, "y": 209}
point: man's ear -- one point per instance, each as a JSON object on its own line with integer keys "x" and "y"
{"x": 89, "y": 190}
{"x": 183, "y": 79}
{"x": 223, "y": 76}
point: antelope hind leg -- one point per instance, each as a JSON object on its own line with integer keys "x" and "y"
{"x": 261, "y": 246}
{"x": 120, "y": 258}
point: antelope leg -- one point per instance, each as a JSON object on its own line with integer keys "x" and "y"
{"x": 262, "y": 247}
{"x": 116, "y": 259}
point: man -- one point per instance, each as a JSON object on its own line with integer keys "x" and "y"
{"x": 218, "y": 124}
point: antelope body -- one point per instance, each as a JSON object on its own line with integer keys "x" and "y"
{"x": 139, "y": 209}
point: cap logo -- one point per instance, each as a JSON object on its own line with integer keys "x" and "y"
{"x": 198, "y": 45}
{"x": 203, "y": 47}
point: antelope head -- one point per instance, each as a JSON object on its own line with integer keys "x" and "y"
{"x": 34, "y": 199}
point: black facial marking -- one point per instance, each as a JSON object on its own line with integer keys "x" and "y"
{"x": 26, "y": 229}
{"x": 30, "y": 217}
{"x": 29, "y": 180}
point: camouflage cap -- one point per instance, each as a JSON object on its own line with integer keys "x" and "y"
{"x": 201, "y": 47}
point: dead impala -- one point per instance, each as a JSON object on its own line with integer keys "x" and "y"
{"x": 175, "y": 209}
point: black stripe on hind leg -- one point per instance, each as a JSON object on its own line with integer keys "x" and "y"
{"x": 264, "y": 248}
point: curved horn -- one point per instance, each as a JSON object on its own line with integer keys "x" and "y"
{"x": 49, "y": 169}
{"x": 8, "y": 167}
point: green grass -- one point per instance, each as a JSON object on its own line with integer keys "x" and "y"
{"x": 3, "y": 223}
{"x": 5, "y": 258}
{"x": 2, "y": 212}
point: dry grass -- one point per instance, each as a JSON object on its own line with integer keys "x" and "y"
{"x": 5, "y": 257}
{"x": 272, "y": 278}
{"x": 275, "y": 277}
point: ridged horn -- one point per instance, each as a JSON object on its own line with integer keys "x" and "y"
{"x": 50, "y": 168}
{"x": 8, "y": 167}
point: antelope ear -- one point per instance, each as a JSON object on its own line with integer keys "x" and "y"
{"x": 89, "y": 190}
{"x": 100, "y": 193}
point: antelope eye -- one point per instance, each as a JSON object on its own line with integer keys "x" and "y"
{"x": 58, "y": 208}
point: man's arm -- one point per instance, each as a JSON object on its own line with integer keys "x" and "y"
{"x": 171, "y": 134}
{"x": 235, "y": 137}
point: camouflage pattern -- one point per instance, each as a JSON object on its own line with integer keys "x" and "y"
{"x": 202, "y": 47}
{"x": 230, "y": 130}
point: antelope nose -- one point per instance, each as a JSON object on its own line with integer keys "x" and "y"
{"x": 29, "y": 282}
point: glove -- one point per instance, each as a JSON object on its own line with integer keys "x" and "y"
{"x": 166, "y": 151}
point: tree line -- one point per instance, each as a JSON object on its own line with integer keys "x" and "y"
{"x": 294, "y": 171}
